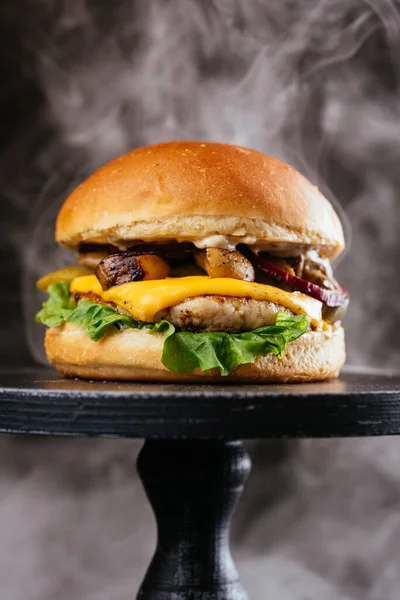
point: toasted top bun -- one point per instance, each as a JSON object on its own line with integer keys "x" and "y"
{"x": 193, "y": 190}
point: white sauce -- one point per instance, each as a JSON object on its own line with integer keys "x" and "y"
{"x": 225, "y": 242}
{"x": 229, "y": 242}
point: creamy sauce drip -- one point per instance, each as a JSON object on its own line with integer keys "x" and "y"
{"x": 228, "y": 242}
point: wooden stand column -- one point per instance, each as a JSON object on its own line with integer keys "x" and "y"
{"x": 193, "y": 486}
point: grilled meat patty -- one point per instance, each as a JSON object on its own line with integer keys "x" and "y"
{"x": 210, "y": 313}
{"x": 221, "y": 313}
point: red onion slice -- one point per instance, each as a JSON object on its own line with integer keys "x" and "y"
{"x": 329, "y": 297}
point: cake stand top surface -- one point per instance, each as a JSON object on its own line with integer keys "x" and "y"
{"x": 360, "y": 402}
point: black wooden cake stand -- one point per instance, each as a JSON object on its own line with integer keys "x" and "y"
{"x": 192, "y": 465}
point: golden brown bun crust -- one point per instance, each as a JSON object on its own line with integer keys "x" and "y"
{"x": 135, "y": 355}
{"x": 189, "y": 190}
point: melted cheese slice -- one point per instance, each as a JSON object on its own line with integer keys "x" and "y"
{"x": 144, "y": 299}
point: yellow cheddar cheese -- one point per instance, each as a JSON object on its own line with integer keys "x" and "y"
{"x": 144, "y": 299}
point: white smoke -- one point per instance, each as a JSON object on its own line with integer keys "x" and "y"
{"x": 314, "y": 83}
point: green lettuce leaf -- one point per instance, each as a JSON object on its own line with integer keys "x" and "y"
{"x": 58, "y": 307}
{"x": 95, "y": 319}
{"x": 183, "y": 351}
{"x": 164, "y": 327}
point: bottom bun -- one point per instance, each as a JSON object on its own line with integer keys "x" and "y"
{"x": 135, "y": 355}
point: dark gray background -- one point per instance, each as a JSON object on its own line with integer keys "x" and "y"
{"x": 313, "y": 82}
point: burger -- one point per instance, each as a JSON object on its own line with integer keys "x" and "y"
{"x": 196, "y": 261}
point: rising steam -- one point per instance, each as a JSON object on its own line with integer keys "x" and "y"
{"x": 314, "y": 83}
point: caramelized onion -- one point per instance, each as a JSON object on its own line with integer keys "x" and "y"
{"x": 334, "y": 297}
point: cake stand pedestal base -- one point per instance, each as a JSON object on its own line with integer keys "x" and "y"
{"x": 193, "y": 486}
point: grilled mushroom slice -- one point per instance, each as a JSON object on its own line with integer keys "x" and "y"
{"x": 225, "y": 263}
{"x": 117, "y": 269}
